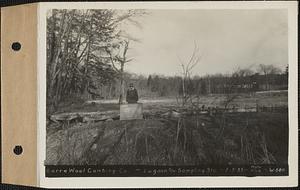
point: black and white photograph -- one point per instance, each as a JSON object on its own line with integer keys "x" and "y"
{"x": 167, "y": 92}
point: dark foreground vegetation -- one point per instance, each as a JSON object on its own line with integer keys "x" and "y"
{"x": 232, "y": 138}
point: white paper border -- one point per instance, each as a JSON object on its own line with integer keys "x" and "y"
{"x": 172, "y": 182}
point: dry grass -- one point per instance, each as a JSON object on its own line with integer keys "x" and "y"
{"x": 248, "y": 138}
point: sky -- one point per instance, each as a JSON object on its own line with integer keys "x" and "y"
{"x": 227, "y": 40}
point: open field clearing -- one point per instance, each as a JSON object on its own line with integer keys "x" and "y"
{"x": 267, "y": 99}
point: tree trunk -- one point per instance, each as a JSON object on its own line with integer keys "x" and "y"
{"x": 54, "y": 62}
{"x": 122, "y": 86}
{"x": 109, "y": 92}
{"x": 209, "y": 89}
{"x": 183, "y": 92}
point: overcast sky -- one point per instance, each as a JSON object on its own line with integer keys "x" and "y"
{"x": 227, "y": 39}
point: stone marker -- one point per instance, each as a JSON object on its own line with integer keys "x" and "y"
{"x": 131, "y": 111}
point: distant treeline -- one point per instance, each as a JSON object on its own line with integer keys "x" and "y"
{"x": 163, "y": 86}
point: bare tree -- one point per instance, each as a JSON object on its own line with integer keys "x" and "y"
{"x": 117, "y": 53}
{"x": 186, "y": 72}
{"x": 244, "y": 72}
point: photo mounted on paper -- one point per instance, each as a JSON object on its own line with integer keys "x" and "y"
{"x": 161, "y": 92}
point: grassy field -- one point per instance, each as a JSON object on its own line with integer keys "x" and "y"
{"x": 162, "y": 139}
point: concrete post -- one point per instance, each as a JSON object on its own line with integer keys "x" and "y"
{"x": 131, "y": 111}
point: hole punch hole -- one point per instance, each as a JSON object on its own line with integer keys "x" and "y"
{"x": 16, "y": 46}
{"x": 18, "y": 150}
